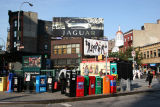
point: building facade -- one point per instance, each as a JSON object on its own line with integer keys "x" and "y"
{"x": 149, "y": 34}
{"x": 119, "y": 40}
{"x": 27, "y": 34}
{"x": 44, "y": 37}
{"x": 128, "y": 40}
{"x": 67, "y": 51}
{"x": 150, "y": 55}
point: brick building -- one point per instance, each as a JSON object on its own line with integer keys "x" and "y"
{"x": 27, "y": 35}
{"x": 68, "y": 51}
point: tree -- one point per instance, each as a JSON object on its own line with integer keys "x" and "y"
{"x": 127, "y": 54}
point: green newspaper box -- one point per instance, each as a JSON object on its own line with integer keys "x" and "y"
{"x": 98, "y": 85}
{"x": 86, "y": 85}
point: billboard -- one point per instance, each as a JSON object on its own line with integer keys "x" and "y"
{"x": 94, "y": 68}
{"x": 95, "y": 47}
{"x": 78, "y": 27}
{"x": 32, "y": 62}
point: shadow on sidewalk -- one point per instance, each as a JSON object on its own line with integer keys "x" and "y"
{"x": 135, "y": 85}
{"x": 13, "y": 97}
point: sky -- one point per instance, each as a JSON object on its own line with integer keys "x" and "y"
{"x": 128, "y": 14}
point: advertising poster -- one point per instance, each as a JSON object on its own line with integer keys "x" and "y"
{"x": 113, "y": 68}
{"x": 95, "y": 68}
{"x": 32, "y": 61}
{"x": 78, "y": 27}
{"x": 95, "y": 47}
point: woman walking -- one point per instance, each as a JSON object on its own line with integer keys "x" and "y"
{"x": 149, "y": 78}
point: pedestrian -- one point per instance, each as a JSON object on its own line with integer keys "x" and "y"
{"x": 62, "y": 79}
{"x": 149, "y": 78}
{"x": 154, "y": 74}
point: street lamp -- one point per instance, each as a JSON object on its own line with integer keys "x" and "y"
{"x": 19, "y": 18}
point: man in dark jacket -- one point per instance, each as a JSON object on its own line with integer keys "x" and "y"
{"x": 149, "y": 78}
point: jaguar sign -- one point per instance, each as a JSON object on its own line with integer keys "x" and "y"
{"x": 77, "y": 27}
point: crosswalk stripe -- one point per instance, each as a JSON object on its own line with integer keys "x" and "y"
{"x": 66, "y": 105}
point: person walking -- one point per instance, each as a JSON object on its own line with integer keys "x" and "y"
{"x": 62, "y": 79}
{"x": 149, "y": 78}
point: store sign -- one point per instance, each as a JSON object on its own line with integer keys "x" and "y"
{"x": 77, "y": 27}
{"x": 152, "y": 65}
{"x": 95, "y": 47}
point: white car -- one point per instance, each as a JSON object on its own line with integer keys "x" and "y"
{"x": 78, "y": 24}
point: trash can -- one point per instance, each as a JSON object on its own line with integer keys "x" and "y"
{"x": 3, "y": 83}
{"x": 106, "y": 85}
{"x": 86, "y": 85}
{"x": 71, "y": 83}
{"x": 80, "y": 86}
{"x": 41, "y": 83}
{"x": 98, "y": 85}
{"x": 91, "y": 85}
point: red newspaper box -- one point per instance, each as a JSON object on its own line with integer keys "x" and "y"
{"x": 80, "y": 86}
{"x": 113, "y": 83}
{"x": 91, "y": 85}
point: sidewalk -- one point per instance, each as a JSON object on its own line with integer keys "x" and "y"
{"x": 138, "y": 86}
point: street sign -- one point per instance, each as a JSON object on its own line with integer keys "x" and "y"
{"x": 133, "y": 53}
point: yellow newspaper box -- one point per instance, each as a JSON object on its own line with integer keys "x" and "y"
{"x": 3, "y": 83}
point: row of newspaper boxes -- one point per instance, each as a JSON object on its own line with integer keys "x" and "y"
{"x": 14, "y": 83}
{"x": 87, "y": 85}
{"x": 75, "y": 85}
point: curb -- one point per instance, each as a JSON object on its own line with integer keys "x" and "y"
{"x": 72, "y": 99}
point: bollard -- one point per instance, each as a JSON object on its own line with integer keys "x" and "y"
{"x": 128, "y": 84}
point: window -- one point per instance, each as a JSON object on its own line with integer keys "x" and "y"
{"x": 55, "y": 50}
{"x": 144, "y": 55}
{"x": 73, "y": 49}
{"x": 15, "y": 34}
{"x": 155, "y": 53}
{"x": 147, "y": 54}
{"x": 158, "y": 52}
{"x": 151, "y": 54}
{"x": 128, "y": 38}
{"x": 14, "y": 44}
{"x": 68, "y": 61}
{"x": 64, "y": 49}
{"x": 131, "y": 37}
{"x": 45, "y": 46}
{"x": 78, "y": 60}
{"x": 61, "y": 61}
{"x": 68, "y": 49}
{"x": 60, "y": 49}
{"x": 15, "y": 23}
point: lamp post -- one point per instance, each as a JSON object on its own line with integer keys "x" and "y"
{"x": 19, "y": 19}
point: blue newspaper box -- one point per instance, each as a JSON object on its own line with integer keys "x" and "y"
{"x": 10, "y": 83}
{"x": 41, "y": 83}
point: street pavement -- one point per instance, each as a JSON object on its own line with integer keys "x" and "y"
{"x": 138, "y": 86}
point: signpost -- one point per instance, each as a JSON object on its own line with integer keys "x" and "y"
{"x": 133, "y": 55}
